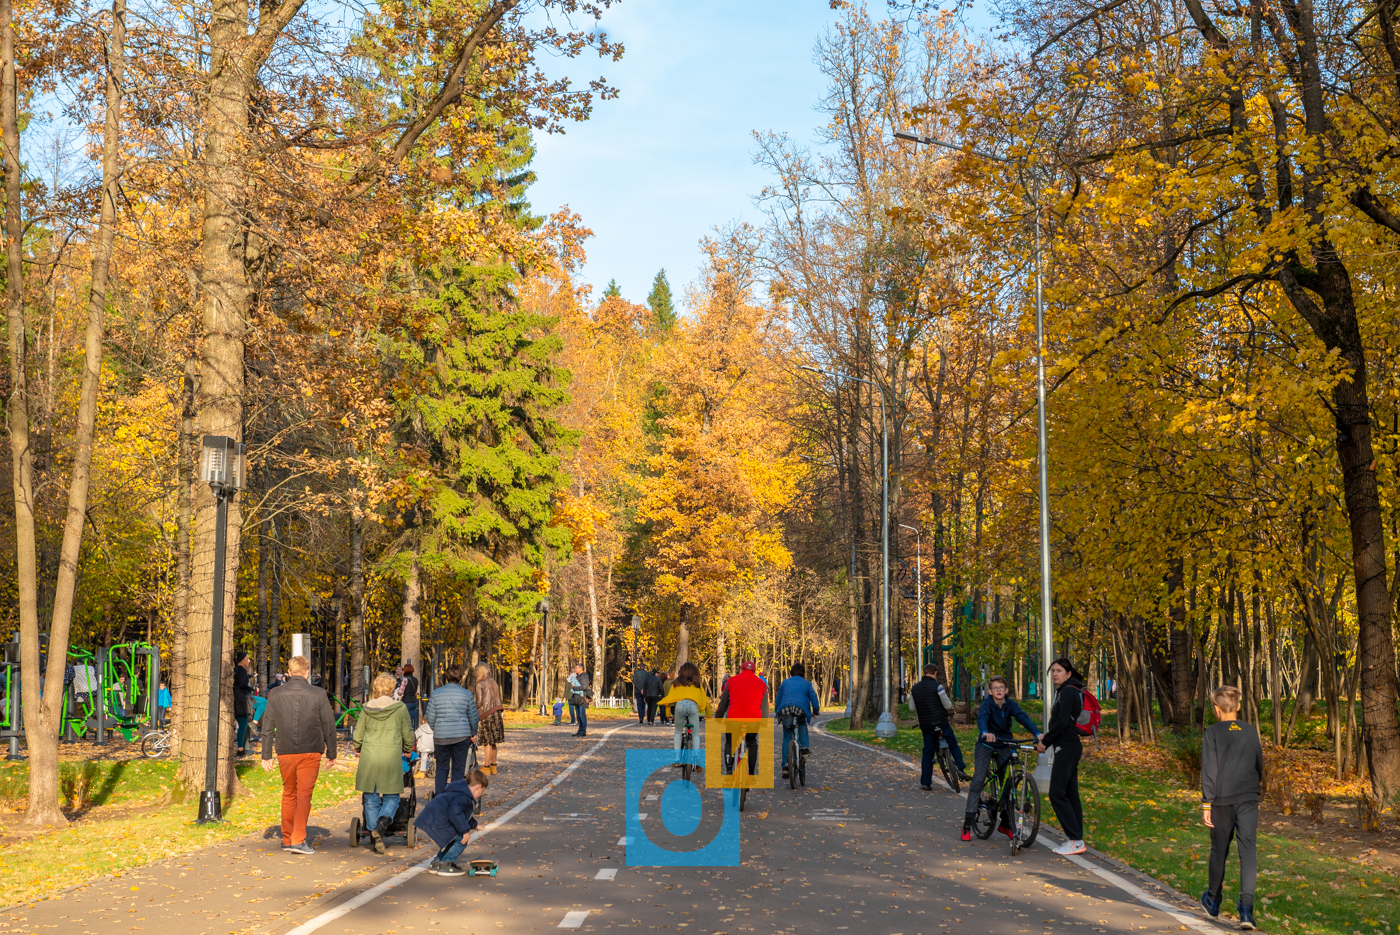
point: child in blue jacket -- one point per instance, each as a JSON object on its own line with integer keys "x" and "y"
{"x": 449, "y": 820}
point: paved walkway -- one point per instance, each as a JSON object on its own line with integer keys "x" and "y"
{"x": 859, "y": 849}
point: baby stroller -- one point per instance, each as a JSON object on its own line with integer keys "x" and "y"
{"x": 403, "y": 817}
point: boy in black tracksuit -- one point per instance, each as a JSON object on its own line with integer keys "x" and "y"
{"x": 1232, "y": 772}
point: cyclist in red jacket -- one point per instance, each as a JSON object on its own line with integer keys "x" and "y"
{"x": 745, "y": 697}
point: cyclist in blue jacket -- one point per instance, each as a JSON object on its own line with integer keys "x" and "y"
{"x": 995, "y": 718}
{"x": 796, "y": 692}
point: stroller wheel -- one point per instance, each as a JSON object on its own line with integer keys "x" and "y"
{"x": 354, "y": 832}
{"x": 411, "y": 835}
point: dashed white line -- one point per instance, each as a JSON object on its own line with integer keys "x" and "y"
{"x": 573, "y": 920}
{"x": 623, "y": 841}
{"x": 607, "y": 873}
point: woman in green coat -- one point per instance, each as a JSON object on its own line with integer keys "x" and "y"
{"x": 382, "y": 736}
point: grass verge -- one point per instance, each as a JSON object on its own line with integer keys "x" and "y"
{"x": 1150, "y": 819}
{"x": 130, "y": 820}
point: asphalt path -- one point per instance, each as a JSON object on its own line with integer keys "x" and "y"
{"x": 861, "y": 848}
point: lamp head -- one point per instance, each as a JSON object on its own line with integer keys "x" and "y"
{"x": 221, "y": 463}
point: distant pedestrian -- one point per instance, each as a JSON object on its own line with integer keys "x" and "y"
{"x": 652, "y": 693}
{"x": 579, "y": 695}
{"x": 409, "y": 696}
{"x": 491, "y": 728}
{"x": 242, "y": 697}
{"x": 932, "y": 707}
{"x": 558, "y": 710}
{"x": 300, "y": 727}
{"x": 1063, "y": 735}
{"x": 1232, "y": 773}
{"x": 449, "y": 820}
{"x": 163, "y": 703}
{"x": 639, "y": 692}
{"x": 382, "y": 736}
{"x": 664, "y": 711}
{"x": 452, "y": 716}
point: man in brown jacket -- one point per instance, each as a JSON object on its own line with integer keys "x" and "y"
{"x": 300, "y": 725}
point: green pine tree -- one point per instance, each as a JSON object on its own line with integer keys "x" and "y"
{"x": 663, "y": 310}
{"x": 477, "y": 393}
{"x": 612, "y": 291}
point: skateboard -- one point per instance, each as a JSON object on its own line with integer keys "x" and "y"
{"x": 480, "y": 868}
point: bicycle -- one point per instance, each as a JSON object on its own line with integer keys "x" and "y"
{"x": 158, "y": 743}
{"x": 797, "y": 760}
{"x": 1010, "y": 788}
{"x": 944, "y": 756}
{"x": 687, "y": 744}
{"x": 731, "y": 760}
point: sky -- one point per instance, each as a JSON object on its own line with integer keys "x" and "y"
{"x": 671, "y": 158}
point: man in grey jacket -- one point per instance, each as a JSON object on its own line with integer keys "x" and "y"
{"x": 452, "y": 716}
{"x": 299, "y": 724}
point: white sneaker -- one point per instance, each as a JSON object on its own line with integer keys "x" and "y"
{"x": 1069, "y": 847}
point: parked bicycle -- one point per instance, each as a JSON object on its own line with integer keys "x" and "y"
{"x": 158, "y": 743}
{"x": 1011, "y": 793}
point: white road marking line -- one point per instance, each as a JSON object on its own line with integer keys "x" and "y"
{"x": 642, "y": 816}
{"x": 375, "y": 892}
{"x": 623, "y": 841}
{"x": 573, "y": 920}
{"x": 607, "y": 873}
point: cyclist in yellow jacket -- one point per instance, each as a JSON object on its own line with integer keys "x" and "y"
{"x": 691, "y": 703}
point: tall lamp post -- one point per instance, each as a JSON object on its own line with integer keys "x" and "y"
{"x": 543, "y": 608}
{"x": 885, "y": 726}
{"x": 221, "y": 467}
{"x": 918, "y": 592}
{"x": 1047, "y": 635}
{"x": 636, "y": 629}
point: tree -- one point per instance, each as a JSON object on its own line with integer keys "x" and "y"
{"x": 663, "y": 312}
{"x": 613, "y": 290}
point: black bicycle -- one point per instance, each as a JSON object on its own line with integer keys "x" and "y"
{"x": 944, "y": 756}
{"x": 797, "y": 760}
{"x": 731, "y": 760}
{"x": 687, "y": 744}
{"x": 1010, "y": 796}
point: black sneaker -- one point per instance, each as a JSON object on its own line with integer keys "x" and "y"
{"x": 964, "y": 776}
{"x": 806, "y": 751}
{"x": 1246, "y": 915}
{"x": 450, "y": 870}
{"x": 434, "y": 866}
{"x": 1211, "y": 904}
{"x": 785, "y": 772}
{"x": 926, "y": 787}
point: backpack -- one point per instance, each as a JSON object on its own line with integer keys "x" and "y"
{"x": 1091, "y": 716}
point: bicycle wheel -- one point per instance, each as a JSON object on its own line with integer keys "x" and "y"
{"x": 950, "y": 775}
{"x": 792, "y": 761}
{"x": 743, "y": 798}
{"x": 687, "y": 742}
{"x": 802, "y": 769}
{"x": 153, "y": 745}
{"x": 1025, "y": 799}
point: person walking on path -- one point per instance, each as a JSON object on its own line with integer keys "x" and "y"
{"x": 449, "y": 820}
{"x": 579, "y": 694}
{"x": 452, "y": 716}
{"x": 690, "y": 702}
{"x": 1063, "y": 735}
{"x": 300, "y": 726}
{"x": 664, "y": 711}
{"x": 931, "y": 707}
{"x": 639, "y": 692}
{"x": 491, "y": 727}
{"x": 409, "y": 697}
{"x": 1232, "y": 772}
{"x": 995, "y": 717}
{"x": 382, "y": 736}
{"x": 651, "y": 693}
{"x": 242, "y": 697}
{"x": 796, "y": 692}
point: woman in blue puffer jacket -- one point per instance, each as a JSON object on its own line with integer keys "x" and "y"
{"x": 452, "y": 716}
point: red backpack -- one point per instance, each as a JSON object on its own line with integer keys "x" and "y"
{"x": 1091, "y": 716}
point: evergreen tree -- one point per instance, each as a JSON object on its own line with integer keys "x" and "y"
{"x": 663, "y": 310}
{"x": 612, "y": 291}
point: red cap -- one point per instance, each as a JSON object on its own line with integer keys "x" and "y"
{"x": 747, "y": 666}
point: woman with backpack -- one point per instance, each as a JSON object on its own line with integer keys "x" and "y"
{"x": 1063, "y": 734}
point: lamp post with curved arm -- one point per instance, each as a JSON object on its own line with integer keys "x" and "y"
{"x": 1042, "y": 768}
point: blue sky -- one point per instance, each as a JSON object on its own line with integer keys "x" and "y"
{"x": 671, "y": 158}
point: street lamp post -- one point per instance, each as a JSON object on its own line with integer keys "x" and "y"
{"x": 885, "y": 726}
{"x": 1047, "y": 635}
{"x": 636, "y": 629}
{"x": 221, "y": 467}
{"x": 543, "y": 608}
{"x": 918, "y": 592}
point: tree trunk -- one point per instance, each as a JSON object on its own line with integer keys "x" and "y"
{"x": 593, "y": 618}
{"x": 1180, "y": 646}
{"x": 359, "y": 690}
{"x": 274, "y": 604}
{"x": 412, "y": 618}
{"x": 1275, "y": 681}
{"x": 682, "y": 640}
{"x": 185, "y": 518}
{"x": 264, "y": 563}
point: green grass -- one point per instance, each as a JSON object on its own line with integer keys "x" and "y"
{"x": 1150, "y": 820}
{"x": 142, "y": 824}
